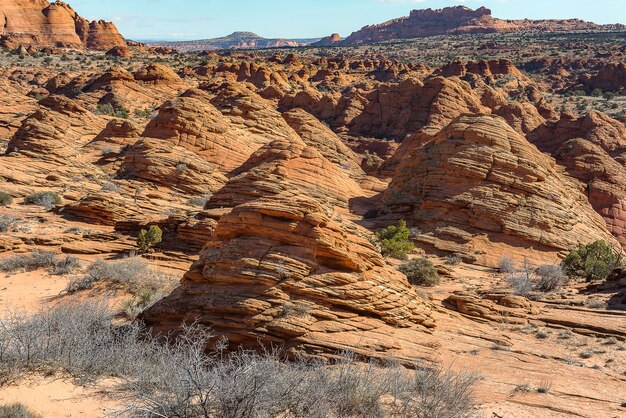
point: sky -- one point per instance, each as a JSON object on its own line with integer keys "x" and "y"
{"x": 199, "y": 19}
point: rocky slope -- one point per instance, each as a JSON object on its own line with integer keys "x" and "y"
{"x": 482, "y": 190}
{"x": 42, "y": 24}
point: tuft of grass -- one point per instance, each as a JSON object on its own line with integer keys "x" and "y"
{"x": 544, "y": 387}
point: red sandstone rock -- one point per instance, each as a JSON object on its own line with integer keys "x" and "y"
{"x": 44, "y": 24}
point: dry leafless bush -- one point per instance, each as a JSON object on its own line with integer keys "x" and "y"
{"x": 7, "y": 222}
{"x": 549, "y": 278}
{"x": 40, "y": 260}
{"x": 133, "y": 274}
{"x": 507, "y": 265}
{"x": 179, "y": 378}
{"x": 16, "y": 410}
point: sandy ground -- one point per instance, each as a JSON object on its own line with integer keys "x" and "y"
{"x": 58, "y": 397}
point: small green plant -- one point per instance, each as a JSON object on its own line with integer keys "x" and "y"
{"x": 149, "y": 238}
{"x": 143, "y": 113}
{"x": 46, "y": 199}
{"x": 420, "y": 272}
{"x": 394, "y": 241}
{"x": 593, "y": 261}
{"x": 5, "y": 199}
{"x": 108, "y": 109}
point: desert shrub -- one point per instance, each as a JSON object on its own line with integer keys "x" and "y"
{"x": 132, "y": 274}
{"x": 7, "y": 222}
{"x": 149, "y": 238}
{"x": 179, "y": 378}
{"x": 40, "y": 260}
{"x": 67, "y": 265}
{"x": 593, "y": 261}
{"x": 420, "y": 272}
{"x": 394, "y": 241}
{"x": 5, "y": 199}
{"x": 522, "y": 280}
{"x": 143, "y": 113}
{"x": 507, "y": 265}
{"x": 549, "y": 278}
{"x": 142, "y": 300}
{"x": 108, "y": 109}
{"x": 29, "y": 262}
{"x": 46, "y": 199}
{"x": 16, "y": 410}
{"x": 609, "y": 95}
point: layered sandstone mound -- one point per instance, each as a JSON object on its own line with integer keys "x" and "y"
{"x": 457, "y": 20}
{"x": 610, "y": 78}
{"x": 193, "y": 123}
{"x": 317, "y": 135}
{"x": 481, "y": 68}
{"x": 605, "y": 180}
{"x": 595, "y": 127}
{"x": 250, "y": 112}
{"x": 120, "y": 51}
{"x": 287, "y": 271}
{"x": 401, "y": 109}
{"x": 14, "y": 104}
{"x": 592, "y": 148}
{"x": 157, "y": 74}
{"x": 118, "y": 87}
{"x": 285, "y": 165}
{"x": 480, "y": 186}
{"x": 172, "y": 166}
{"x": 43, "y": 24}
{"x": 56, "y": 131}
{"x": 119, "y": 132}
{"x": 425, "y": 111}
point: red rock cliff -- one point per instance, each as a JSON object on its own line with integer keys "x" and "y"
{"x": 40, "y": 23}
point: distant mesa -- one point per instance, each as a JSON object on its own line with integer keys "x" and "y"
{"x": 42, "y": 24}
{"x": 331, "y": 40}
{"x": 460, "y": 20}
{"x": 236, "y": 40}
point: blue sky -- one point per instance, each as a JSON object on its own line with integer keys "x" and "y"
{"x": 196, "y": 19}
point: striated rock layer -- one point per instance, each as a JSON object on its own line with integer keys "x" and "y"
{"x": 288, "y": 271}
{"x": 481, "y": 186}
